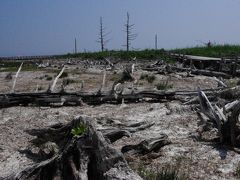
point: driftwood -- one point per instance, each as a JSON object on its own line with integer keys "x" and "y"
{"x": 74, "y": 99}
{"x": 220, "y": 82}
{"x": 230, "y": 93}
{"x": 115, "y": 133}
{"x": 56, "y": 79}
{"x": 210, "y": 73}
{"x": 225, "y": 120}
{"x": 171, "y": 69}
{"x": 15, "y": 78}
{"x": 149, "y": 145}
{"x": 87, "y": 156}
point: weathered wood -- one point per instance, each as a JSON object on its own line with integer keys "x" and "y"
{"x": 56, "y": 79}
{"x": 114, "y": 135}
{"x": 15, "y": 78}
{"x": 75, "y": 99}
{"x": 84, "y": 157}
{"x": 220, "y": 82}
{"x": 164, "y": 70}
{"x": 149, "y": 145}
{"x": 226, "y": 123}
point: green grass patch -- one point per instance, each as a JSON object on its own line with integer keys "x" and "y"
{"x": 143, "y": 54}
{"x": 214, "y": 51}
{"x": 12, "y": 66}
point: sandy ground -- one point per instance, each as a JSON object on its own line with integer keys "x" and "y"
{"x": 198, "y": 159}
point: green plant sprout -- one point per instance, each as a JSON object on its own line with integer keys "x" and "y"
{"x": 79, "y": 130}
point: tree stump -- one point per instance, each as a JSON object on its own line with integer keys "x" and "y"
{"x": 87, "y": 156}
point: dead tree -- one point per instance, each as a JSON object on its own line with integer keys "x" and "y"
{"x": 224, "y": 119}
{"x": 102, "y": 36}
{"x": 76, "y": 99}
{"x": 130, "y": 35}
{"x": 156, "y": 42}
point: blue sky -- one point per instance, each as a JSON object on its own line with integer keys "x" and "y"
{"x": 41, "y": 27}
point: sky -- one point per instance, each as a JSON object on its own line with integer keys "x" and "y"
{"x": 47, "y": 27}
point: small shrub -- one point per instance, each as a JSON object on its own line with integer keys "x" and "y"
{"x": 126, "y": 75}
{"x": 40, "y": 88}
{"x": 167, "y": 173}
{"x": 151, "y": 78}
{"x": 68, "y": 81}
{"x": 79, "y": 130}
{"x": 115, "y": 77}
{"x": 9, "y": 76}
{"x": 232, "y": 82}
{"x": 146, "y": 174}
{"x": 49, "y": 78}
{"x": 64, "y": 74}
{"x": 237, "y": 171}
{"x": 163, "y": 86}
{"x": 143, "y": 76}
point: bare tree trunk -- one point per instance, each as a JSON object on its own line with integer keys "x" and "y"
{"x": 130, "y": 36}
{"x": 102, "y": 36}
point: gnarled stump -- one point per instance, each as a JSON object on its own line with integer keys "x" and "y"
{"x": 224, "y": 119}
{"x": 88, "y": 156}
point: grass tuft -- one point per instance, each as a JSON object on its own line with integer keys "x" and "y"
{"x": 148, "y": 78}
{"x": 166, "y": 173}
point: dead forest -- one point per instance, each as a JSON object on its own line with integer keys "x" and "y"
{"x": 132, "y": 119}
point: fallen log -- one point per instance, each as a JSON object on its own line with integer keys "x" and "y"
{"x": 76, "y": 99}
{"x": 210, "y": 73}
{"x": 164, "y": 70}
{"x": 83, "y": 156}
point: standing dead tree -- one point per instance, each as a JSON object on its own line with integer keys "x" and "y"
{"x": 130, "y": 35}
{"x": 156, "y": 41}
{"x": 102, "y": 36}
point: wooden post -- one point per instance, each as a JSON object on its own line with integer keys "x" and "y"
{"x": 201, "y": 65}
{"x": 191, "y": 64}
{"x": 221, "y": 64}
{"x": 233, "y": 69}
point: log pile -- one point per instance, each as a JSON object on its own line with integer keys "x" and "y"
{"x": 84, "y": 156}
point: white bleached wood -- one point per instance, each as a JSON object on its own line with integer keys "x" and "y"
{"x": 15, "y": 78}
{"x": 56, "y": 79}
